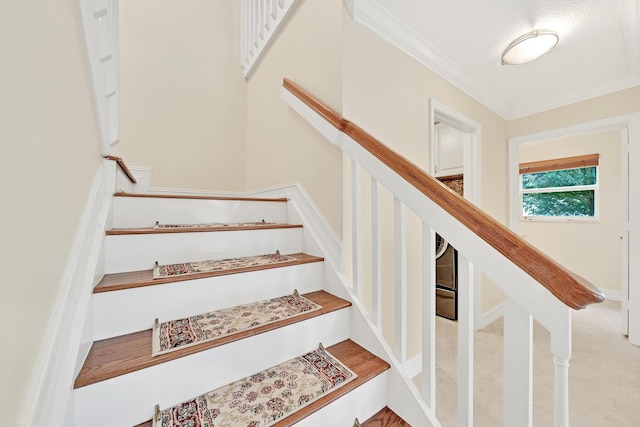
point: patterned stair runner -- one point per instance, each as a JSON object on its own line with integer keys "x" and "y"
{"x": 176, "y": 334}
{"x": 264, "y": 398}
{"x": 159, "y": 226}
{"x": 187, "y": 268}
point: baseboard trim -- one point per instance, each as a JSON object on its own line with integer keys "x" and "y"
{"x": 329, "y": 243}
{"x": 490, "y": 316}
{"x": 49, "y": 390}
{"x": 316, "y": 224}
{"x": 413, "y": 366}
{"x": 612, "y": 294}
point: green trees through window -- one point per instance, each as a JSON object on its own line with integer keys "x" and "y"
{"x": 560, "y": 193}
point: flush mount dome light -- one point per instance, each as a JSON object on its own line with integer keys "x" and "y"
{"x": 529, "y": 46}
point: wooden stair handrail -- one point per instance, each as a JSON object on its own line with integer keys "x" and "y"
{"x": 573, "y": 290}
{"x": 123, "y": 166}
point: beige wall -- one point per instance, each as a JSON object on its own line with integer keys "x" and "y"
{"x": 611, "y": 105}
{"x": 282, "y": 147}
{"x": 591, "y": 249}
{"x": 50, "y": 148}
{"x": 614, "y": 104}
{"x": 387, "y": 93}
{"x": 183, "y": 96}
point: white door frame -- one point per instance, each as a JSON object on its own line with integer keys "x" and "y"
{"x": 629, "y": 127}
{"x": 471, "y": 153}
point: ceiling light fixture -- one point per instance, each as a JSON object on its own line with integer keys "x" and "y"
{"x": 529, "y": 47}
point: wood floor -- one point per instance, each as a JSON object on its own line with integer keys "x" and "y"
{"x": 212, "y": 229}
{"x": 193, "y": 197}
{"x": 363, "y": 363}
{"x": 385, "y": 418}
{"x": 137, "y": 279}
{"x": 117, "y": 356}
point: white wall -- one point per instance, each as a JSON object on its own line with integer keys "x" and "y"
{"x": 282, "y": 147}
{"x": 50, "y": 145}
{"x": 183, "y": 97}
{"x": 590, "y": 249}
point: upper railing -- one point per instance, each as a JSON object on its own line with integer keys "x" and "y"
{"x": 261, "y": 20}
{"x": 568, "y": 287}
{"x": 100, "y": 20}
{"x": 535, "y": 286}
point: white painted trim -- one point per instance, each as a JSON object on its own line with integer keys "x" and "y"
{"x": 374, "y": 16}
{"x": 490, "y": 316}
{"x": 630, "y": 27}
{"x": 629, "y": 124}
{"x": 259, "y": 28}
{"x": 599, "y": 89}
{"x": 403, "y": 395}
{"x": 314, "y": 222}
{"x": 472, "y": 173}
{"x": 329, "y": 243}
{"x": 362, "y": 329}
{"x": 612, "y": 294}
{"x": 49, "y": 389}
{"x": 413, "y": 366}
{"x": 101, "y": 35}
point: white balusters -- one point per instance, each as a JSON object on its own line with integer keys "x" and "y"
{"x": 261, "y": 20}
{"x": 428, "y": 315}
{"x": 355, "y": 229}
{"x": 561, "y": 349}
{"x": 518, "y": 365}
{"x": 400, "y": 279}
{"x": 100, "y": 24}
{"x": 526, "y": 299}
{"x": 465, "y": 342}
{"x": 376, "y": 255}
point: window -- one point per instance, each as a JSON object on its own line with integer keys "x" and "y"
{"x": 560, "y": 189}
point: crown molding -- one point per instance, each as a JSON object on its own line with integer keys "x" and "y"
{"x": 377, "y": 18}
{"x": 568, "y": 98}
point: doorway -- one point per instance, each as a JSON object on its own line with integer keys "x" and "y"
{"x": 625, "y": 129}
{"x": 447, "y": 117}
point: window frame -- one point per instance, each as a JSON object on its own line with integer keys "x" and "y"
{"x": 567, "y": 163}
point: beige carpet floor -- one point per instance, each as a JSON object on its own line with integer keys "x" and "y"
{"x": 604, "y": 373}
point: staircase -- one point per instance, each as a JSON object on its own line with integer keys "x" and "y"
{"x": 120, "y": 381}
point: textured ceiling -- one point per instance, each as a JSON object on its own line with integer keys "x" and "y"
{"x": 598, "y": 52}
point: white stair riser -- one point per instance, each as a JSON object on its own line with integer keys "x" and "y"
{"x": 129, "y": 399}
{"x": 363, "y": 402}
{"x": 122, "y": 312}
{"x": 140, "y": 251}
{"x": 129, "y": 212}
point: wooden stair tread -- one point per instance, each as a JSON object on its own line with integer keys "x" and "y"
{"x": 193, "y": 197}
{"x": 117, "y": 356}
{"x": 365, "y": 364}
{"x": 128, "y": 231}
{"x": 385, "y": 418}
{"x": 137, "y": 279}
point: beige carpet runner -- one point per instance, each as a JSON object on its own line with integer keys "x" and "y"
{"x": 264, "y": 398}
{"x": 187, "y": 268}
{"x": 181, "y": 333}
{"x": 159, "y": 226}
